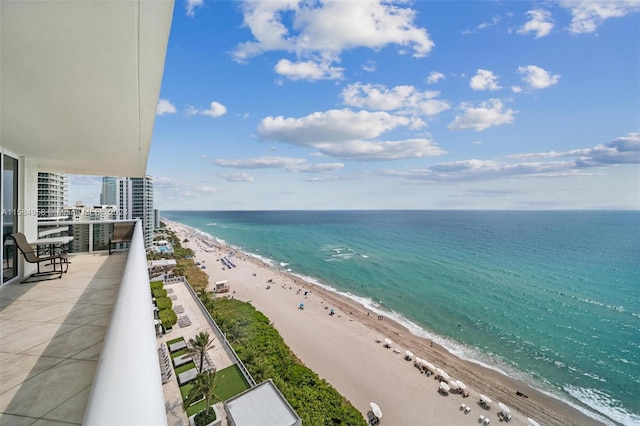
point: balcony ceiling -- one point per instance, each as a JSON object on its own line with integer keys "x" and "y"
{"x": 79, "y": 82}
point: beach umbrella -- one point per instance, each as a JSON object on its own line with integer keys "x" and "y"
{"x": 388, "y": 342}
{"x": 376, "y": 410}
{"x": 443, "y": 374}
{"x": 485, "y": 399}
{"x": 532, "y": 422}
{"x": 445, "y": 387}
{"x": 419, "y": 362}
{"x": 409, "y": 355}
{"x": 430, "y": 366}
{"x": 461, "y": 385}
{"x": 504, "y": 408}
{"x": 453, "y": 384}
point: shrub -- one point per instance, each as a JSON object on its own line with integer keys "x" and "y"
{"x": 265, "y": 354}
{"x": 164, "y": 303}
{"x": 201, "y": 420}
{"x": 156, "y": 285}
{"x": 168, "y": 318}
{"x": 159, "y": 292}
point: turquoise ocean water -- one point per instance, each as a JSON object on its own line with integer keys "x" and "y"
{"x": 551, "y": 298}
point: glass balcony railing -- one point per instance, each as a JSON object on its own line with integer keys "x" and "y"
{"x": 79, "y": 236}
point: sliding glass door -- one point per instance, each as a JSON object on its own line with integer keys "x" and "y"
{"x": 9, "y": 218}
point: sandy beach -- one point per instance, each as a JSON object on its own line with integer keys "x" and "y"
{"x": 343, "y": 349}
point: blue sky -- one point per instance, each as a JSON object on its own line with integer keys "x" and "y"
{"x": 397, "y": 105}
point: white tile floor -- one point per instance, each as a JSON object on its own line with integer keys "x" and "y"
{"x": 51, "y": 335}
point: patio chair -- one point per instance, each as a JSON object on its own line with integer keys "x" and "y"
{"x": 31, "y": 256}
{"x": 122, "y": 233}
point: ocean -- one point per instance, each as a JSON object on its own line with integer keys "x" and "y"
{"x": 550, "y": 298}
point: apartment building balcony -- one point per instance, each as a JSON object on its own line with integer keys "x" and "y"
{"x": 82, "y": 349}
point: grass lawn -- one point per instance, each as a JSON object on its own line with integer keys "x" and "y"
{"x": 184, "y": 368}
{"x": 178, "y": 353}
{"x": 231, "y": 383}
{"x": 196, "y": 408}
{"x": 171, "y": 342}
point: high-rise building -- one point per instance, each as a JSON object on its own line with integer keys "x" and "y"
{"x": 109, "y": 192}
{"x": 133, "y": 198}
{"x": 95, "y": 235}
{"x": 52, "y": 195}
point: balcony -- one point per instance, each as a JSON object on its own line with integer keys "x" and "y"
{"x": 82, "y": 349}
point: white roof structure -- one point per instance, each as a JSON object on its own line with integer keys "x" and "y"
{"x": 262, "y": 405}
{"x": 162, "y": 263}
{"x": 80, "y": 82}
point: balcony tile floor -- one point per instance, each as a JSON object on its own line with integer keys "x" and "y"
{"x": 51, "y": 335}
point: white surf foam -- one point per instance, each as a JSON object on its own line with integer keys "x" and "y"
{"x": 604, "y": 404}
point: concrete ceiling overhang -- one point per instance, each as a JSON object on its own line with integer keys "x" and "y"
{"x": 80, "y": 81}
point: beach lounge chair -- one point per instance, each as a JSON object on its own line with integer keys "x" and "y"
{"x": 31, "y": 256}
{"x": 122, "y": 233}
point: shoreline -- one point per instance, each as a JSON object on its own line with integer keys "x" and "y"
{"x": 545, "y": 408}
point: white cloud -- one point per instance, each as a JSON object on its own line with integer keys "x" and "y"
{"x": 404, "y": 99}
{"x": 320, "y": 31}
{"x": 434, "y": 77}
{"x": 344, "y": 133}
{"x": 191, "y": 6}
{"x": 165, "y": 107}
{"x": 488, "y": 114}
{"x": 537, "y": 78}
{"x": 288, "y": 163}
{"x": 261, "y": 163}
{"x": 319, "y": 168}
{"x": 308, "y": 70}
{"x": 191, "y": 111}
{"x": 359, "y": 150}
{"x": 541, "y": 23}
{"x": 177, "y": 189}
{"x": 330, "y": 126}
{"x": 369, "y": 66}
{"x": 516, "y": 89}
{"x": 216, "y": 109}
{"x": 237, "y": 177}
{"x": 589, "y": 15}
{"x": 622, "y": 150}
{"x": 484, "y": 25}
{"x": 484, "y": 80}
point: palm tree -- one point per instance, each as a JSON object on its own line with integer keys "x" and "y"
{"x": 204, "y": 296}
{"x": 200, "y": 345}
{"x": 235, "y": 332}
{"x": 203, "y": 386}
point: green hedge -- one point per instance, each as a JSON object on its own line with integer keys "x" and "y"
{"x": 201, "y": 420}
{"x": 159, "y": 292}
{"x": 164, "y": 303}
{"x": 156, "y": 285}
{"x": 263, "y": 351}
{"x": 168, "y": 318}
